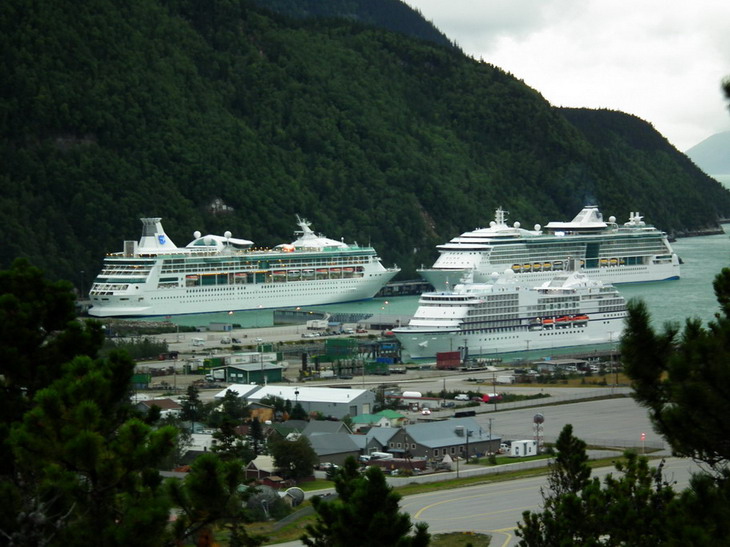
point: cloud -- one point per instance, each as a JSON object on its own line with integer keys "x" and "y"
{"x": 661, "y": 60}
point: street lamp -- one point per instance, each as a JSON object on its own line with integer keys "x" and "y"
{"x": 468, "y": 434}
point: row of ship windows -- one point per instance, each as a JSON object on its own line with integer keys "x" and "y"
{"x": 195, "y": 267}
{"x": 562, "y": 330}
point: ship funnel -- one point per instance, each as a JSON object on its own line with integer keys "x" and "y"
{"x": 154, "y": 239}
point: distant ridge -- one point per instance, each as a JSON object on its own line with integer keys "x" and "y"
{"x": 713, "y": 154}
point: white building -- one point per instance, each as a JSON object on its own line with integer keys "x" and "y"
{"x": 329, "y": 401}
{"x": 520, "y": 449}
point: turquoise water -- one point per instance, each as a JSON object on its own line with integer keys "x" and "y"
{"x": 690, "y": 296}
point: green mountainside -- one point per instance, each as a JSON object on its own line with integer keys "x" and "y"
{"x": 219, "y": 115}
{"x": 387, "y": 14}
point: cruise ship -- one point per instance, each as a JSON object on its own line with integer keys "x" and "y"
{"x": 505, "y": 316}
{"x": 633, "y": 252}
{"x": 154, "y": 277}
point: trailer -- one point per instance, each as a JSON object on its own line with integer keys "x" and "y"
{"x": 448, "y": 360}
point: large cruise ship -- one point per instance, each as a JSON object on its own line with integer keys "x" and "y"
{"x": 629, "y": 253}
{"x": 505, "y": 316}
{"x": 220, "y": 273}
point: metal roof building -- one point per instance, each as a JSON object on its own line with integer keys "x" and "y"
{"x": 328, "y": 401}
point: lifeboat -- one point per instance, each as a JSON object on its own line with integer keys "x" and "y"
{"x": 580, "y": 318}
{"x": 516, "y": 267}
{"x": 613, "y": 261}
{"x": 527, "y": 267}
{"x": 548, "y": 322}
{"x": 547, "y": 266}
{"x": 537, "y": 266}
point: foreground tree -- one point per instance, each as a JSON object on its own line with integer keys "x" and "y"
{"x": 212, "y": 494}
{"x": 683, "y": 378}
{"x": 631, "y": 508}
{"x": 78, "y": 465}
{"x": 365, "y": 514}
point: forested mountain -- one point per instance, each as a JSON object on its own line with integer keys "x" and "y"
{"x": 111, "y": 110}
{"x": 387, "y": 14}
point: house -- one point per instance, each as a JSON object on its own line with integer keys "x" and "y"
{"x": 363, "y": 421}
{"x": 264, "y": 413}
{"x": 260, "y": 467}
{"x": 331, "y": 441}
{"x": 333, "y": 447}
{"x": 375, "y": 440}
{"x": 167, "y": 407}
{"x": 519, "y": 449}
{"x": 331, "y": 402}
{"x": 284, "y": 429}
{"x": 434, "y": 440}
{"x": 325, "y": 426}
{"x": 395, "y": 419}
{"x": 384, "y": 418}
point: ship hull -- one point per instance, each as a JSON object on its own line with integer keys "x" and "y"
{"x": 180, "y": 301}
{"x": 424, "y": 344}
{"x": 444, "y": 279}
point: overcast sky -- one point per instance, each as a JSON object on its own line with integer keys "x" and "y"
{"x": 661, "y": 60}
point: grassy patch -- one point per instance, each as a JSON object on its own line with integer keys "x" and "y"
{"x": 460, "y": 539}
{"x": 317, "y": 484}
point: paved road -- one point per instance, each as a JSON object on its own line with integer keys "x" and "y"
{"x": 496, "y": 508}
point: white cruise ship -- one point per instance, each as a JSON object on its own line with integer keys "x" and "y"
{"x": 630, "y": 253}
{"x": 220, "y": 273}
{"x": 505, "y": 316}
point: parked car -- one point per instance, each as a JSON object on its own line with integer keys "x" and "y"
{"x": 426, "y": 411}
{"x": 448, "y": 404}
{"x": 461, "y": 397}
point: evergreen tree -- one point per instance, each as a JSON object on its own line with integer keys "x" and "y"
{"x": 632, "y": 508}
{"x": 570, "y": 471}
{"x": 294, "y": 459}
{"x": 298, "y": 412}
{"x": 682, "y": 377}
{"x": 212, "y": 493}
{"x": 257, "y": 435}
{"x": 365, "y": 514}
{"x": 79, "y": 468}
{"x": 192, "y": 407}
{"x": 79, "y": 465}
